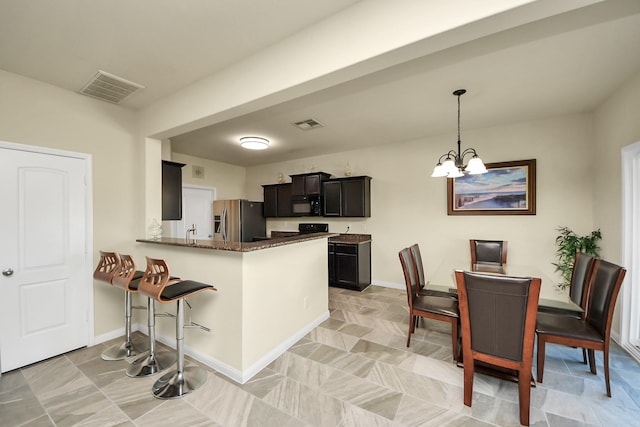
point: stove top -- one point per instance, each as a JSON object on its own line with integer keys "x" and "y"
{"x": 307, "y": 228}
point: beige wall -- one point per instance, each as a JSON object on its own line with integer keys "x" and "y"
{"x": 616, "y": 125}
{"x": 408, "y": 206}
{"x": 39, "y": 114}
{"x": 228, "y": 180}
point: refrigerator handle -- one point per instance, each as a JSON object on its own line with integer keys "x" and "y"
{"x": 224, "y": 224}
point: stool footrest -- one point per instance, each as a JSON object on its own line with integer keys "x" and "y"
{"x": 139, "y": 307}
{"x": 166, "y": 315}
{"x": 197, "y": 325}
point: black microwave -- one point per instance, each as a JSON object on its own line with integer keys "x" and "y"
{"x": 306, "y": 205}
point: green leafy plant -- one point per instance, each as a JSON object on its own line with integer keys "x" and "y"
{"x": 568, "y": 244}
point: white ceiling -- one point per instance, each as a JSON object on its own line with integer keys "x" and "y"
{"x": 564, "y": 64}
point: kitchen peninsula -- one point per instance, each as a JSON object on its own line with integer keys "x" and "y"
{"x": 270, "y": 294}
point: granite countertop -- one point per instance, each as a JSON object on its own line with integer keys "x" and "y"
{"x": 336, "y": 238}
{"x": 238, "y": 246}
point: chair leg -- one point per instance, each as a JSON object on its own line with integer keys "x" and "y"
{"x": 183, "y": 380}
{"x": 606, "y": 369}
{"x": 454, "y": 340}
{"x": 524, "y": 395}
{"x": 411, "y": 323}
{"x": 150, "y": 363}
{"x": 468, "y": 381}
{"x": 592, "y": 361}
{"x": 584, "y": 356}
{"x": 126, "y": 349}
{"x": 540, "y": 361}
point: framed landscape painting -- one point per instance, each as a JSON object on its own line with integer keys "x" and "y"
{"x": 508, "y": 188}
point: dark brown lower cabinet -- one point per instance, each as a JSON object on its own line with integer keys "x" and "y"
{"x": 350, "y": 265}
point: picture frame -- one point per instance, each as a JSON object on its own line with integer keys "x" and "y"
{"x": 508, "y": 188}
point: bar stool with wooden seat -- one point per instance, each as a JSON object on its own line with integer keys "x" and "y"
{"x": 158, "y": 286}
{"x": 112, "y": 270}
{"x": 126, "y": 277}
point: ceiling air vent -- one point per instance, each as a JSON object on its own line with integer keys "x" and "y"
{"x": 308, "y": 124}
{"x": 110, "y": 88}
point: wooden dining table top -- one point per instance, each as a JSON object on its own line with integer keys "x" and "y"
{"x": 551, "y": 297}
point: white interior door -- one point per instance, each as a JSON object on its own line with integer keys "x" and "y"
{"x": 43, "y": 286}
{"x": 197, "y": 208}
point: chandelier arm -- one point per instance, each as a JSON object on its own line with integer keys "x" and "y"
{"x": 468, "y": 151}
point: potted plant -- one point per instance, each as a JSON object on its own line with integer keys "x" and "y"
{"x": 568, "y": 244}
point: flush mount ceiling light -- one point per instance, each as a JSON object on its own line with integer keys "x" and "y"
{"x": 254, "y": 142}
{"x": 453, "y": 165}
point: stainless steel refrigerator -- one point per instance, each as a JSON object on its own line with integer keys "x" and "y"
{"x": 238, "y": 220}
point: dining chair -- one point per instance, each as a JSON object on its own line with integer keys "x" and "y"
{"x": 578, "y": 291}
{"x": 417, "y": 260}
{"x": 441, "y": 308}
{"x": 593, "y": 332}
{"x": 498, "y": 319}
{"x": 488, "y": 251}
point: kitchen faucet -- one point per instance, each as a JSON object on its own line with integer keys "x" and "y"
{"x": 191, "y": 230}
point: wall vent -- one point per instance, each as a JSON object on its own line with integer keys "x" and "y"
{"x": 110, "y": 88}
{"x": 308, "y": 124}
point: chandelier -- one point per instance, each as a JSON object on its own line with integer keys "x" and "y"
{"x": 451, "y": 164}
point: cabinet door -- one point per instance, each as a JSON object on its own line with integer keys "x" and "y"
{"x": 171, "y": 190}
{"x": 312, "y": 184}
{"x": 297, "y": 183}
{"x": 332, "y": 198}
{"x": 332, "y": 263}
{"x": 346, "y": 269}
{"x": 356, "y": 198}
{"x": 284, "y": 200}
{"x": 270, "y": 207}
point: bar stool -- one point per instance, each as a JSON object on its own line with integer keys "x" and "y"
{"x": 126, "y": 277}
{"x": 151, "y": 363}
{"x": 157, "y": 284}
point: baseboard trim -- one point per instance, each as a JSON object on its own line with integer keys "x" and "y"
{"x": 392, "y": 285}
{"x": 236, "y": 375}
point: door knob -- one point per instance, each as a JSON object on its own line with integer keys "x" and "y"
{"x": 7, "y": 272}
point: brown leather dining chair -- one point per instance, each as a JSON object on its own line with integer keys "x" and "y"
{"x": 498, "y": 319}
{"x": 431, "y": 307}
{"x": 417, "y": 260}
{"x": 578, "y": 291}
{"x": 488, "y": 251}
{"x": 594, "y": 331}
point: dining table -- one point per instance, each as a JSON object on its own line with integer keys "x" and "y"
{"x": 551, "y": 297}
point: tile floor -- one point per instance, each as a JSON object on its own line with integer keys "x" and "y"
{"x": 353, "y": 370}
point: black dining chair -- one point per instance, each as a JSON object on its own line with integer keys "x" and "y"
{"x": 441, "y": 308}
{"x": 578, "y": 291}
{"x": 498, "y": 319}
{"x": 593, "y": 332}
{"x": 488, "y": 251}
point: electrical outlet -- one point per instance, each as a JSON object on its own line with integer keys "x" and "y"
{"x": 305, "y": 302}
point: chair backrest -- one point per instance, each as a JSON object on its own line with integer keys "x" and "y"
{"x": 107, "y": 266}
{"x": 498, "y": 315}
{"x": 580, "y": 276}
{"x": 409, "y": 271}
{"x": 606, "y": 282}
{"x": 417, "y": 261}
{"x": 124, "y": 274}
{"x": 155, "y": 278}
{"x": 488, "y": 251}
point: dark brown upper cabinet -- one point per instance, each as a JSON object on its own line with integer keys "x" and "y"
{"x": 306, "y": 184}
{"x": 277, "y": 200}
{"x": 347, "y": 197}
{"x": 171, "y": 190}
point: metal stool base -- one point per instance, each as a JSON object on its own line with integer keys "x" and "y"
{"x": 122, "y": 351}
{"x": 173, "y": 385}
{"x": 146, "y": 365}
